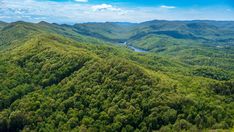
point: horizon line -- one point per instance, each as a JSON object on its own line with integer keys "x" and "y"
{"x": 60, "y": 23}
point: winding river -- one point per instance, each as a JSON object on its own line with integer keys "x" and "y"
{"x": 133, "y": 48}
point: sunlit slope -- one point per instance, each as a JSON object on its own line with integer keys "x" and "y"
{"x": 12, "y": 34}
{"x": 50, "y": 82}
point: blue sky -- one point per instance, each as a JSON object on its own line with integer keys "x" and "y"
{"x": 181, "y": 3}
{"x": 77, "y": 11}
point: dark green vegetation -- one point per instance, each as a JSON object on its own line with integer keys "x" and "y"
{"x": 63, "y": 78}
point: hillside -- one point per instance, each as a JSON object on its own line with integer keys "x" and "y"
{"x": 197, "y": 43}
{"x": 2, "y": 24}
{"x": 204, "y": 31}
{"x": 19, "y": 31}
{"x": 77, "y": 78}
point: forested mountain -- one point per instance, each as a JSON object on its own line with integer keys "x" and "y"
{"x": 80, "y": 78}
{"x": 2, "y": 24}
{"x": 195, "y": 30}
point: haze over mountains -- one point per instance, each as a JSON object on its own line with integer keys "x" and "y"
{"x": 87, "y": 77}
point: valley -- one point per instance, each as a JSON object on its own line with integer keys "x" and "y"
{"x": 151, "y": 76}
{"x": 125, "y": 44}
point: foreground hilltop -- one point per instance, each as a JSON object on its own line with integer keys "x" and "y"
{"x": 63, "y": 78}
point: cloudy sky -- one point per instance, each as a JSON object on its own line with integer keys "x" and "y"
{"x": 78, "y": 11}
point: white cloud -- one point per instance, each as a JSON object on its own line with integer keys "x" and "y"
{"x": 108, "y": 8}
{"x": 167, "y": 7}
{"x": 81, "y": 0}
{"x": 102, "y": 7}
{"x": 73, "y": 12}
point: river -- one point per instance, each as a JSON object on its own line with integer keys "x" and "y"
{"x": 134, "y": 48}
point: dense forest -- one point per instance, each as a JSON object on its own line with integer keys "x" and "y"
{"x": 83, "y": 78}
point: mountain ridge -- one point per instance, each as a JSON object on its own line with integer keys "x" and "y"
{"x": 54, "y": 78}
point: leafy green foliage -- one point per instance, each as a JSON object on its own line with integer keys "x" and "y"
{"x": 211, "y": 73}
{"x": 224, "y": 88}
{"x": 52, "y": 79}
